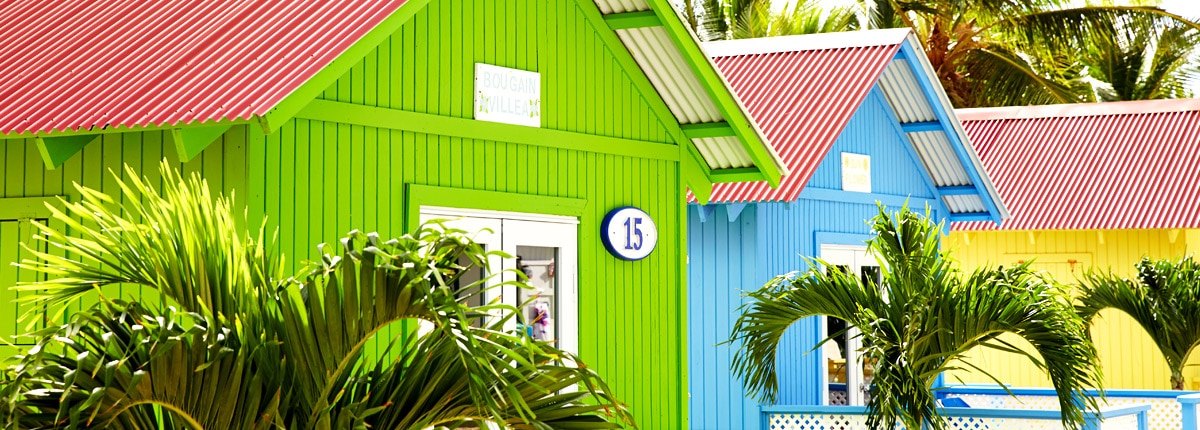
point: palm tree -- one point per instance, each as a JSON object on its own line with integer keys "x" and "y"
{"x": 998, "y": 52}
{"x": 1017, "y": 52}
{"x": 1143, "y": 61}
{"x": 715, "y": 19}
{"x": 1164, "y": 299}
{"x": 920, "y": 323}
{"x": 744, "y": 19}
{"x": 804, "y": 17}
{"x": 232, "y": 343}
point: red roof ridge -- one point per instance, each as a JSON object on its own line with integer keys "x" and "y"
{"x": 1079, "y": 109}
{"x": 807, "y": 42}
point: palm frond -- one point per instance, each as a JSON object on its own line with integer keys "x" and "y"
{"x": 804, "y": 17}
{"x": 999, "y": 77}
{"x": 920, "y": 323}
{"x": 1164, "y": 300}
{"x": 1074, "y": 28}
{"x": 113, "y": 363}
{"x": 231, "y": 344}
{"x": 150, "y": 240}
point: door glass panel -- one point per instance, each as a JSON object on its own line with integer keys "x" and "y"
{"x": 467, "y": 282}
{"x": 486, "y": 233}
{"x": 871, "y": 275}
{"x": 539, "y": 307}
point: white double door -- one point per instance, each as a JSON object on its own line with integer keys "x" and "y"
{"x": 843, "y": 364}
{"x": 545, "y": 248}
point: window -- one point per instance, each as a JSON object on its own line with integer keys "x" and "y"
{"x": 847, "y": 383}
{"x": 544, "y": 247}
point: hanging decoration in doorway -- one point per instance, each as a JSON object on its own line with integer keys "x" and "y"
{"x": 628, "y": 233}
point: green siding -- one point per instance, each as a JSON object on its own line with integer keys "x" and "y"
{"x": 315, "y": 180}
{"x": 24, "y": 175}
{"x": 334, "y": 189}
{"x": 318, "y": 179}
{"x": 431, "y": 65}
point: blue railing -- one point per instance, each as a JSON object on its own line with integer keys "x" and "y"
{"x": 1165, "y": 409}
{"x": 1188, "y": 412}
{"x": 1021, "y": 391}
{"x": 797, "y": 417}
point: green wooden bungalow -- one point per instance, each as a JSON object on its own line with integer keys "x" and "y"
{"x": 536, "y": 118}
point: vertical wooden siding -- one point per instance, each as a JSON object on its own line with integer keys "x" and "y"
{"x": 771, "y": 239}
{"x": 1128, "y": 357}
{"x": 723, "y": 262}
{"x": 318, "y": 180}
{"x": 873, "y": 130}
{"x": 24, "y": 175}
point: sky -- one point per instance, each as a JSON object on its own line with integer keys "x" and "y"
{"x": 1187, "y": 8}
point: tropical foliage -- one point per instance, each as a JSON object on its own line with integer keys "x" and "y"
{"x": 1164, "y": 299}
{"x": 1000, "y": 52}
{"x": 800, "y": 17}
{"x": 743, "y": 19}
{"x": 1145, "y": 60}
{"x": 230, "y": 343}
{"x": 919, "y": 323}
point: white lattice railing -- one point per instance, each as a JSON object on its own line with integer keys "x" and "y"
{"x": 854, "y": 418}
{"x": 1164, "y": 413}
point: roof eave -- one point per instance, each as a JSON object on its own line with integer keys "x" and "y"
{"x": 303, "y": 94}
{"x": 927, "y": 77}
{"x": 766, "y": 160}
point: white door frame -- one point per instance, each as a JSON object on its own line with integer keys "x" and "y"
{"x": 855, "y": 257}
{"x": 512, "y": 229}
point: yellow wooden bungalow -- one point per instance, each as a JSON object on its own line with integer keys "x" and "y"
{"x": 1090, "y": 187}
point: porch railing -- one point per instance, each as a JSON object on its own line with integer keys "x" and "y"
{"x": 1164, "y": 414}
{"x": 855, "y": 418}
{"x": 1188, "y": 416}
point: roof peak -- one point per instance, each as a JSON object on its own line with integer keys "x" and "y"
{"x": 807, "y": 42}
{"x": 1079, "y": 109}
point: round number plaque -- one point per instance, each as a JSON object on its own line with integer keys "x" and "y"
{"x": 628, "y": 233}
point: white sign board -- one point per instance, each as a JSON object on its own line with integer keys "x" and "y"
{"x": 507, "y": 95}
{"x": 628, "y": 233}
{"x": 856, "y": 172}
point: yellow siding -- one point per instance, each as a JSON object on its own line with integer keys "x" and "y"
{"x": 1129, "y": 359}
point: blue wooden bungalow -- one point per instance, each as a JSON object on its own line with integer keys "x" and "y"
{"x": 858, "y": 118}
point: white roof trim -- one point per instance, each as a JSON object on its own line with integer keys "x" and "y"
{"x": 1081, "y": 109}
{"x": 806, "y": 42}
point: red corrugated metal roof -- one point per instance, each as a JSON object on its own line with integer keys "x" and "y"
{"x": 1119, "y": 165}
{"x": 801, "y": 98}
{"x": 71, "y": 65}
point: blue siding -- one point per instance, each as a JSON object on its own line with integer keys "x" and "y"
{"x": 875, "y": 131}
{"x": 770, "y": 239}
{"x": 719, "y": 269}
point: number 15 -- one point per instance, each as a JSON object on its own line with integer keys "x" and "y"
{"x": 633, "y": 228}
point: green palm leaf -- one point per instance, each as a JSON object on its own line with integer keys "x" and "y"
{"x": 112, "y": 364}
{"x": 230, "y": 343}
{"x": 920, "y": 323}
{"x": 1164, "y": 299}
